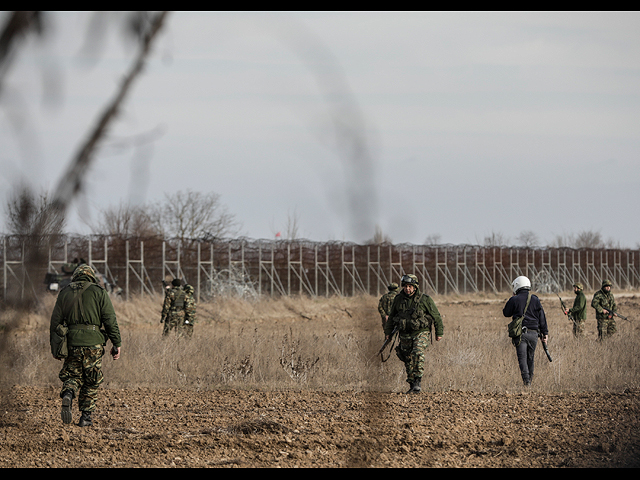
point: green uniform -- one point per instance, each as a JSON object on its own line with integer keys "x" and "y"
{"x": 414, "y": 316}
{"x": 189, "y": 312}
{"x": 91, "y": 321}
{"x": 578, "y": 313}
{"x": 384, "y": 304}
{"x": 606, "y": 322}
{"x": 173, "y": 309}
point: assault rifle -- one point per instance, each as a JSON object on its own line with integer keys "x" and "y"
{"x": 616, "y": 315}
{"x": 544, "y": 345}
{"x": 390, "y": 338}
{"x": 565, "y": 309}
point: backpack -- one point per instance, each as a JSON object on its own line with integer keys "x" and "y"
{"x": 178, "y": 302}
{"x": 515, "y": 326}
{"x": 58, "y": 340}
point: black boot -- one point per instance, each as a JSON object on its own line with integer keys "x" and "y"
{"x": 67, "y": 401}
{"x": 410, "y": 387}
{"x": 85, "y": 420}
{"x": 416, "y": 386}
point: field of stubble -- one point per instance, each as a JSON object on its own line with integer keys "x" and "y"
{"x": 296, "y": 383}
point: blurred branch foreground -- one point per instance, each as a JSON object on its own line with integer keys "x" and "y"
{"x": 250, "y": 268}
{"x": 36, "y": 237}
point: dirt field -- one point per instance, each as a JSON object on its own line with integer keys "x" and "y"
{"x": 172, "y": 428}
{"x": 226, "y": 427}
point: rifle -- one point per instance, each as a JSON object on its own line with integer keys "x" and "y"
{"x": 564, "y": 309}
{"x": 544, "y": 345}
{"x": 616, "y": 315}
{"x": 386, "y": 342}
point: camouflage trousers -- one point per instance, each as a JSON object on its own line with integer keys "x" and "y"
{"x": 173, "y": 321}
{"x": 82, "y": 374}
{"x": 410, "y": 350}
{"x": 606, "y": 327}
{"x": 578, "y": 328}
{"x": 185, "y": 330}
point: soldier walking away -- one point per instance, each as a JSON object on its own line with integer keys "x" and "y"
{"x": 413, "y": 314}
{"x": 384, "y": 304}
{"x": 189, "y": 312}
{"x": 84, "y": 308}
{"x": 173, "y": 308}
{"x": 605, "y": 306}
{"x": 578, "y": 312}
{"x": 524, "y": 304}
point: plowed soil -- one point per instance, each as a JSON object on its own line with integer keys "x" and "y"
{"x": 172, "y": 428}
{"x": 139, "y": 427}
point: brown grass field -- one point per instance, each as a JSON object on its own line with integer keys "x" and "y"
{"x": 296, "y": 382}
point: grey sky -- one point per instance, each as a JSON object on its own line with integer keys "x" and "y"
{"x": 457, "y": 123}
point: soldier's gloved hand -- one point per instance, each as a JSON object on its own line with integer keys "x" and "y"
{"x": 162, "y": 320}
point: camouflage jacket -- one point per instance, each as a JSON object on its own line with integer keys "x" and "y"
{"x": 189, "y": 309}
{"x": 413, "y": 314}
{"x": 602, "y": 299}
{"x": 173, "y": 301}
{"x": 98, "y": 314}
{"x": 579, "y": 309}
{"x": 384, "y": 305}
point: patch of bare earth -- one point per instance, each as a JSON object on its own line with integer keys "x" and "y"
{"x": 167, "y": 428}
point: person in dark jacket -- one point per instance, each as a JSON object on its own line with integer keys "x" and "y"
{"x": 85, "y": 308}
{"x": 533, "y": 324}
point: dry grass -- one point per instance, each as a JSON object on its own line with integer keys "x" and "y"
{"x": 329, "y": 344}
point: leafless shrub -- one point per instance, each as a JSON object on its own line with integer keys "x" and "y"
{"x": 292, "y": 362}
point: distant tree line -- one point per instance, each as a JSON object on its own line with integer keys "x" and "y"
{"x": 188, "y": 215}
{"x": 184, "y": 215}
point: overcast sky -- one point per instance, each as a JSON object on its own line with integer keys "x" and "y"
{"x": 456, "y": 124}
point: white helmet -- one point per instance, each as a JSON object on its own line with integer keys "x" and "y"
{"x": 520, "y": 282}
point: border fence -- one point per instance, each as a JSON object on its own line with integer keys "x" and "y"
{"x": 248, "y": 267}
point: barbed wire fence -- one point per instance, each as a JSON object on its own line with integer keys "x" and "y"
{"x": 251, "y": 268}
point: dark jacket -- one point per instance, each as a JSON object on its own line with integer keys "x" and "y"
{"x": 98, "y": 310}
{"x": 534, "y": 317}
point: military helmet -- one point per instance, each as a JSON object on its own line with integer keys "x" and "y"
{"x": 188, "y": 288}
{"x": 393, "y": 286}
{"x": 176, "y": 282}
{"x": 607, "y": 283}
{"x": 409, "y": 279}
{"x": 578, "y": 286}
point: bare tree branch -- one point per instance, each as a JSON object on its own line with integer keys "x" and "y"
{"x": 71, "y": 183}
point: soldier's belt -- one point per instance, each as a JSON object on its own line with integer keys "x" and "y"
{"x": 84, "y": 326}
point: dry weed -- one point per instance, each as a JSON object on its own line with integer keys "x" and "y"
{"x": 329, "y": 344}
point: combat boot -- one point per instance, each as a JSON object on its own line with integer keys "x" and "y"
{"x": 67, "y": 401}
{"x": 85, "y": 420}
{"x": 410, "y": 387}
{"x": 416, "y": 386}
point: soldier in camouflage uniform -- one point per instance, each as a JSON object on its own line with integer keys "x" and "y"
{"x": 173, "y": 308}
{"x": 604, "y": 304}
{"x": 189, "y": 312}
{"x": 384, "y": 304}
{"x": 85, "y": 308}
{"x": 414, "y": 314}
{"x": 578, "y": 312}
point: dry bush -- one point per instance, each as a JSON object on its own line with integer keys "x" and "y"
{"x": 307, "y": 343}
